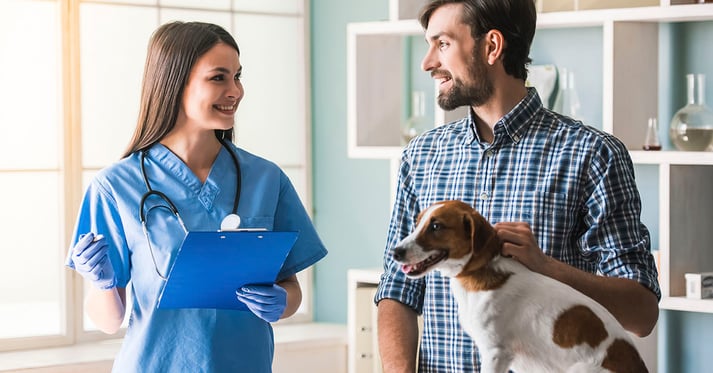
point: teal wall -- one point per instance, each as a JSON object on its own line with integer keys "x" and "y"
{"x": 351, "y": 196}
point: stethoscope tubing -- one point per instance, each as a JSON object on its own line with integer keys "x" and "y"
{"x": 143, "y": 214}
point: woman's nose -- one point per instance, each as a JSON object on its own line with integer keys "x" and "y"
{"x": 236, "y": 90}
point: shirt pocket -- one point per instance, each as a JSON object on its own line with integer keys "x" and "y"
{"x": 266, "y": 222}
{"x": 552, "y": 218}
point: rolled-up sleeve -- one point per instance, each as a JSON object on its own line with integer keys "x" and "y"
{"x": 393, "y": 283}
{"x": 614, "y": 229}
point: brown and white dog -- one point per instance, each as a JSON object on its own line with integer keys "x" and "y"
{"x": 519, "y": 319}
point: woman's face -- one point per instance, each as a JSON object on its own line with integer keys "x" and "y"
{"x": 213, "y": 91}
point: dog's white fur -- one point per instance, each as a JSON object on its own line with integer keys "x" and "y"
{"x": 516, "y": 317}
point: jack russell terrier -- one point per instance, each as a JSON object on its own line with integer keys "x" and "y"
{"x": 519, "y": 319}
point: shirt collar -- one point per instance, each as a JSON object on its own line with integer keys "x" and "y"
{"x": 512, "y": 125}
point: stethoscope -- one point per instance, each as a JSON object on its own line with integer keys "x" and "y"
{"x": 230, "y": 222}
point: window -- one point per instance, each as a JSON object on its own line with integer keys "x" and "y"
{"x": 71, "y": 72}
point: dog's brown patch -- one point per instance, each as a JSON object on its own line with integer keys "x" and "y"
{"x": 622, "y": 357}
{"x": 478, "y": 238}
{"x": 483, "y": 279}
{"x": 578, "y": 325}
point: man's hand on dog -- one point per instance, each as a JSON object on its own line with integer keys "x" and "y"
{"x": 520, "y": 243}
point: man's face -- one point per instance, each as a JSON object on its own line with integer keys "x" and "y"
{"x": 456, "y": 60}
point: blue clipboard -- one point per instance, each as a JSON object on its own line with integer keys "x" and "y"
{"x": 210, "y": 266}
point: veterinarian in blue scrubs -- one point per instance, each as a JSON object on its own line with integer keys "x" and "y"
{"x": 561, "y": 194}
{"x": 182, "y": 149}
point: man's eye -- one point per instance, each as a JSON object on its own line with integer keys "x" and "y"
{"x": 238, "y": 76}
{"x": 442, "y": 44}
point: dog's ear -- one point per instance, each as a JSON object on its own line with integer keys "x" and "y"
{"x": 483, "y": 236}
{"x": 468, "y": 227}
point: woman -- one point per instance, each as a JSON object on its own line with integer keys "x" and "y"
{"x": 181, "y": 153}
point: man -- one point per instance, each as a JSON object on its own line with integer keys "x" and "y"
{"x": 563, "y": 194}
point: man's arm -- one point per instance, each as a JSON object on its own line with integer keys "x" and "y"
{"x": 398, "y": 336}
{"x": 635, "y": 306}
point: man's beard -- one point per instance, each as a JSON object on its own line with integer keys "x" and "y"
{"x": 462, "y": 94}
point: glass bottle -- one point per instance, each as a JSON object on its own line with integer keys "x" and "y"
{"x": 651, "y": 141}
{"x": 567, "y": 100}
{"x": 692, "y": 125}
{"x": 417, "y": 121}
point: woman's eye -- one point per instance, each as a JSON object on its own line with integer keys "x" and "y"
{"x": 238, "y": 76}
{"x": 218, "y": 78}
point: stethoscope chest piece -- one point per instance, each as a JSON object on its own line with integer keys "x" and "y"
{"x": 230, "y": 223}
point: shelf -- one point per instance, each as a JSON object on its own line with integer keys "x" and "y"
{"x": 387, "y": 49}
{"x": 365, "y": 276}
{"x": 631, "y": 59}
{"x": 686, "y": 304}
{"x": 672, "y": 157}
{"x": 598, "y": 17}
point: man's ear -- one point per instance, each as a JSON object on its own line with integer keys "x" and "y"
{"x": 493, "y": 45}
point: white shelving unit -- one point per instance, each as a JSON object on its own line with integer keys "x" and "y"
{"x": 376, "y": 73}
{"x": 375, "y": 98}
{"x": 377, "y": 69}
{"x": 362, "y": 352}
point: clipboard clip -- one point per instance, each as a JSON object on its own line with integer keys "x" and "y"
{"x": 243, "y": 230}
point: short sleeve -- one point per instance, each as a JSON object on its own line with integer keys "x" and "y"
{"x": 99, "y": 214}
{"x": 291, "y": 215}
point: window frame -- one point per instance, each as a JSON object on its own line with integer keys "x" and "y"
{"x": 71, "y": 168}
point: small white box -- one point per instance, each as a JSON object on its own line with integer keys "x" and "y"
{"x": 699, "y": 285}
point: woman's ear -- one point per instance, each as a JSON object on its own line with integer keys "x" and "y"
{"x": 494, "y": 45}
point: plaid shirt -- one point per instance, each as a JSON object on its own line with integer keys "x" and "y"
{"x": 572, "y": 183}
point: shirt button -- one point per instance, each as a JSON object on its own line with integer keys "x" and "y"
{"x": 484, "y": 196}
{"x": 516, "y": 138}
{"x": 488, "y": 154}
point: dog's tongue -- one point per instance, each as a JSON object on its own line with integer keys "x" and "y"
{"x": 406, "y": 268}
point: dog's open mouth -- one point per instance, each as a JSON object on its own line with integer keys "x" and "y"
{"x": 424, "y": 265}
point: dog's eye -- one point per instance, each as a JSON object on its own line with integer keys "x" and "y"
{"x": 435, "y": 226}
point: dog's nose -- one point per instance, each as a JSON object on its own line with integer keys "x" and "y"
{"x": 399, "y": 253}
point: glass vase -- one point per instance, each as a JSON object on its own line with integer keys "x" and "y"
{"x": 567, "y": 99}
{"x": 692, "y": 126}
{"x": 651, "y": 140}
{"x": 417, "y": 122}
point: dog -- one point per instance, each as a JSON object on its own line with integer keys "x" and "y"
{"x": 519, "y": 319}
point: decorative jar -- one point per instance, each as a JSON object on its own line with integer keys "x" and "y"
{"x": 692, "y": 126}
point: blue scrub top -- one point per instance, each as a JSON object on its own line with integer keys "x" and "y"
{"x": 190, "y": 340}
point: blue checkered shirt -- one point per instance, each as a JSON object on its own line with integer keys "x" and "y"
{"x": 572, "y": 183}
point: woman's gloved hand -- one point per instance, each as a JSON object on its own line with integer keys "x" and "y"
{"x": 267, "y": 302}
{"x": 90, "y": 257}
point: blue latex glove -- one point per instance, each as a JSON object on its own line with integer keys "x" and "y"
{"x": 90, "y": 258}
{"x": 267, "y": 302}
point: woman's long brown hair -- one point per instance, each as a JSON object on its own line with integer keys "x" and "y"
{"x": 173, "y": 50}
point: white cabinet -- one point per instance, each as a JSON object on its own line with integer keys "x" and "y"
{"x": 363, "y": 353}
{"x": 383, "y": 65}
{"x": 363, "y": 347}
